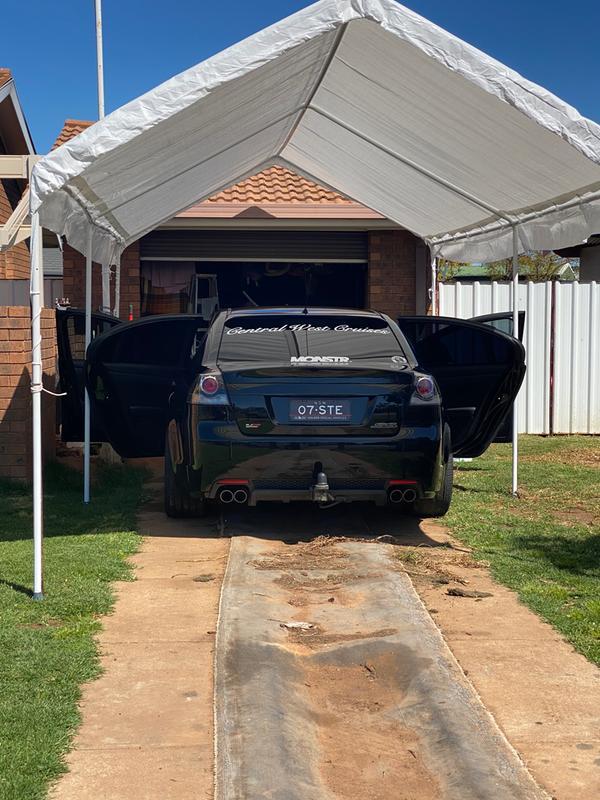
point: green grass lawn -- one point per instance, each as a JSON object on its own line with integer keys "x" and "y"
{"x": 46, "y": 648}
{"x": 545, "y": 545}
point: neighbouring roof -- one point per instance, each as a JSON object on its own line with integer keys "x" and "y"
{"x": 71, "y": 128}
{"x": 575, "y": 252}
{"x": 276, "y": 193}
{"x": 16, "y": 137}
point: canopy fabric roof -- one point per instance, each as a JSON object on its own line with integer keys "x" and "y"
{"x": 363, "y": 96}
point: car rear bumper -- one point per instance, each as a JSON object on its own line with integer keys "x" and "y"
{"x": 284, "y": 470}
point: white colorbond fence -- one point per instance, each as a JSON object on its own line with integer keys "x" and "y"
{"x": 561, "y": 391}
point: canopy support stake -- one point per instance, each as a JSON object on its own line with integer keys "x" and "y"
{"x": 515, "y": 310}
{"x": 88, "y": 339}
{"x": 35, "y": 292}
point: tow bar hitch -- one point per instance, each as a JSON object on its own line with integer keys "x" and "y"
{"x": 320, "y": 491}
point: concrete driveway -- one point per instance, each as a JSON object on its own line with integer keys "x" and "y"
{"x": 332, "y": 679}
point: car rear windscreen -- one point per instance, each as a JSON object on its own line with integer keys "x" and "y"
{"x": 282, "y": 338}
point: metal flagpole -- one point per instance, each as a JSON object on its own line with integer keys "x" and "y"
{"x": 100, "y": 78}
{"x": 515, "y": 309}
{"x": 88, "y": 339}
{"x": 99, "y": 58}
{"x": 35, "y": 291}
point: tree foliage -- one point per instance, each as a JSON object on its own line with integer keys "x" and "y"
{"x": 536, "y": 266}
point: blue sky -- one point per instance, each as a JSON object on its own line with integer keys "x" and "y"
{"x": 550, "y": 42}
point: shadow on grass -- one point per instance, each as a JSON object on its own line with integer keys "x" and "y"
{"x": 575, "y": 554}
{"x": 65, "y": 514}
{"x": 17, "y": 587}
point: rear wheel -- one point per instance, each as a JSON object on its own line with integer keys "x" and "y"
{"x": 438, "y": 506}
{"x": 178, "y": 501}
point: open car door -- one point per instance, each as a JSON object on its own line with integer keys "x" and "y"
{"x": 133, "y": 370}
{"x": 70, "y": 339}
{"x": 503, "y": 321}
{"x": 479, "y": 371}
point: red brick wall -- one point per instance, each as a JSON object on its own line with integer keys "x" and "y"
{"x": 392, "y": 272}
{"x": 74, "y": 281}
{"x": 15, "y": 262}
{"x": 15, "y": 392}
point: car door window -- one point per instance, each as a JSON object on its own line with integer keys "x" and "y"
{"x": 135, "y": 371}
{"x": 478, "y": 369}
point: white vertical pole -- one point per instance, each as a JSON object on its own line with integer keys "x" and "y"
{"x": 117, "y": 283}
{"x": 35, "y": 291}
{"x": 88, "y": 339}
{"x": 99, "y": 58}
{"x": 515, "y": 309}
{"x": 434, "y": 309}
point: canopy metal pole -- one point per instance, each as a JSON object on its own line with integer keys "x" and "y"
{"x": 515, "y": 309}
{"x": 88, "y": 339}
{"x": 35, "y": 291}
{"x": 434, "y": 309}
{"x": 117, "y": 283}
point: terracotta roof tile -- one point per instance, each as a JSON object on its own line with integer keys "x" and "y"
{"x": 278, "y": 185}
{"x": 71, "y": 129}
{"x": 5, "y": 75}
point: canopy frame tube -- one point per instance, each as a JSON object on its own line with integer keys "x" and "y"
{"x": 35, "y": 291}
{"x": 515, "y": 310}
{"x": 88, "y": 339}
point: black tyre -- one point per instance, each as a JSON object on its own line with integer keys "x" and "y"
{"x": 178, "y": 502}
{"x": 438, "y": 506}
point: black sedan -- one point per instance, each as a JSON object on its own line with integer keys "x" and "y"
{"x": 322, "y": 405}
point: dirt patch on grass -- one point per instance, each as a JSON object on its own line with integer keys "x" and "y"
{"x": 580, "y": 458}
{"x": 576, "y": 516}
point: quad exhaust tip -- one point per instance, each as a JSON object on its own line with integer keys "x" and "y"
{"x": 239, "y": 496}
{"x": 402, "y": 496}
{"x": 226, "y": 496}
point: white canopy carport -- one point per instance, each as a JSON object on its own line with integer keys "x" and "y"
{"x": 361, "y": 95}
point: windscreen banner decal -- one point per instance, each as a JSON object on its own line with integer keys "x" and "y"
{"x": 306, "y": 328}
{"x": 319, "y": 360}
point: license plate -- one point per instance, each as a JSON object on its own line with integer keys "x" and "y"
{"x": 320, "y": 410}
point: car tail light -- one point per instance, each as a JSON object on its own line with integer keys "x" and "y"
{"x": 210, "y": 389}
{"x": 425, "y": 388}
{"x": 209, "y": 385}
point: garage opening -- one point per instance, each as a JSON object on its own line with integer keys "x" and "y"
{"x": 203, "y": 271}
{"x": 172, "y": 287}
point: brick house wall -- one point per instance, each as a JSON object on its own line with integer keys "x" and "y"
{"x": 392, "y": 272}
{"x": 14, "y": 264}
{"x": 74, "y": 281}
{"x": 15, "y": 392}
